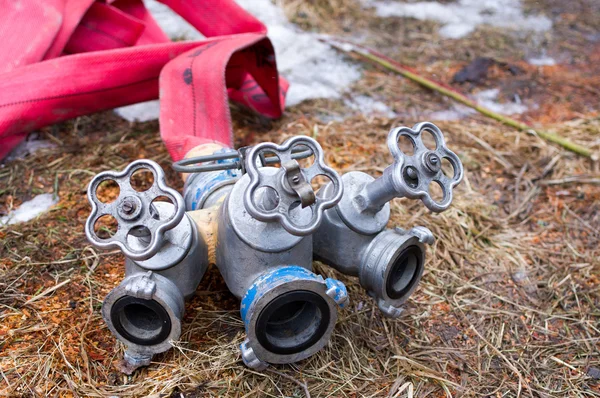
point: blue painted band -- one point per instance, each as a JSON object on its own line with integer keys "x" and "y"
{"x": 271, "y": 279}
{"x": 211, "y": 179}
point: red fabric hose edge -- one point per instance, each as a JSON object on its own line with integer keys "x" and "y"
{"x": 196, "y": 78}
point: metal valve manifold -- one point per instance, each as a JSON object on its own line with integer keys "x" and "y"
{"x": 265, "y": 220}
{"x": 165, "y": 259}
{"x": 352, "y": 237}
{"x": 254, "y": 214}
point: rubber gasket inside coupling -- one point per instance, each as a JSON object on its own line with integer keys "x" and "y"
{"x": 400, "y": 263}
{"x": 118, "y": 309}
{"x": 265, "y": 321}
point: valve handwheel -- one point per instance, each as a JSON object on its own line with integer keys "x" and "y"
{"x": 133, "y": 210}
{"x": 412, "y": 175}
{"x": 291, "y": 184}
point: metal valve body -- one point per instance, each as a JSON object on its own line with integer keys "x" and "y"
{"x": 353, "y": 238}
{"x": 288, "y": 311}
{"x": 145, "y": 310}
{"x": 261, "y": 226}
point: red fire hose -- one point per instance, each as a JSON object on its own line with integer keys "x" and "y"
{"x": 60, "y": 59}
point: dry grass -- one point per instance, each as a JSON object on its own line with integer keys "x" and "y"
{"x": 508, "y": 305}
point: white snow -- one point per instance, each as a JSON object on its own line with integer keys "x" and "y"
{"x": 313, "y": 68}
{"x": 30, "y": 209}
{"x": 543, "y": 60}
{"x": 489, "y": 99}
{"x": 463, "y": 16}
{"x": 141, "y": 112}
{"x": 455, "y": 112}
{"x": 28, "y": 147}
{"x": 171, "y": 23}
{"x": 369, "y": 106}
{"x": 486, "y": 98}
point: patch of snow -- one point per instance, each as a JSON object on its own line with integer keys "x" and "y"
{"x": 30, "y": 209}
{"x": 543, "y": 60}
{"x": 141, "y": 112}
{"x": 463, "y": 16}
{"x": 313, "y": 68}
{"x": 456, "y": 30}
{"x": 486, "y": 98}
{"x": 171, "y": 23}
{"x": 456, "y": 112}
{"x": 369, "y": 106}
{"x": 28, "y": 147}
{"x": 489, "y": 99}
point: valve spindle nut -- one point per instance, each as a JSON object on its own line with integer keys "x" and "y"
{"x": 130, "y": 208}
{"x": 432, "y": 162}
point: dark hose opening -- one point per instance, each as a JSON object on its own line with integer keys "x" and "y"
{"x": 293, "y": 322}
{"x": 405, "y": 272}
{"x": 140, "y": 321}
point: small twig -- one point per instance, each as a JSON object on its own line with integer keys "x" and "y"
{"x": 96, "y": 261}
{"x": 581, "y": 220}
{"x": 501, "y": 159}
{"x": 6, "y": 379}
{"x": 47, "y": 292}
{"x": 532, "y": 193}
{"x": 303, "y": 385}
{"x": 94, "y": 256}
{"x": 84, "y": 355}
{"x": 550, "y": 166}
{"x": 409, "y": 394}
{"x": 390, "y": 64}
{"x": 573, "y": 180}
{"x": 501, "y": 355}
{"x": 561, "y": 362}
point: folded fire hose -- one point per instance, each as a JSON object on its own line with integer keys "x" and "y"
{"x": 65, "y": 58}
